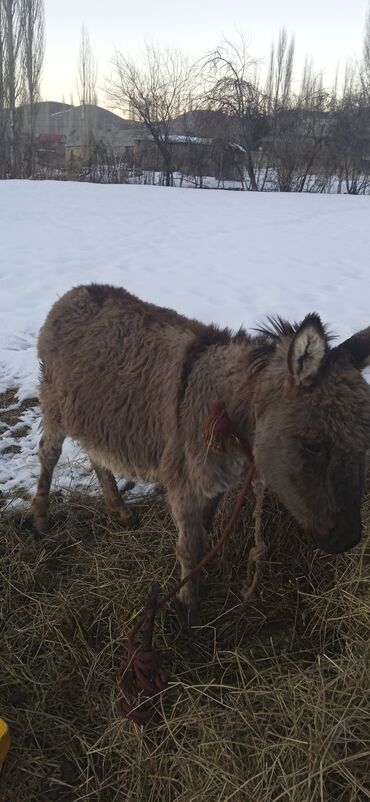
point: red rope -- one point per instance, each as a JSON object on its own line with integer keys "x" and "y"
{"x": 143, "y": 677}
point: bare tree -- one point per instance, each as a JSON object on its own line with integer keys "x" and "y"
{"x": 366, "y": 55}
{"x": 3, "y": 119}
{"x": 13, "y": 29}
{"x": 87, "y": 71}
{"x": 278, "y": 102}
{"x": 350, "y": 134}
{"x": 86, "y": 88}
{"x": 32, "y": 55}
{"x": 278, "y": 90}
{"x": 297, "y": 121}
{"x": 232, "y": 88}
{"x": 155, "y": 92}
{"x": 312, "y": 105}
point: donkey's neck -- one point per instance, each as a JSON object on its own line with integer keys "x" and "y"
{"x": 236, "y": 389}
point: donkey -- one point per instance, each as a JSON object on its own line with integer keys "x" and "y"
{"x": 134, "y": 384}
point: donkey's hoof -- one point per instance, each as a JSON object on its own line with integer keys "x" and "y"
{"x": 128, "y": 518}
{"x": 133, "y": 521}
{"x": 41, "y": 530}
{"x": 189, "y": 612}
{"x": 194, "y": 617}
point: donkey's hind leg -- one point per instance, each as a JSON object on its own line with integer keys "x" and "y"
{"x": 113, "y": 498}
{"x": 50, "y": 448}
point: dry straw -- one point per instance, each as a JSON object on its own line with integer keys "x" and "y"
{"x": 267, "y": 701}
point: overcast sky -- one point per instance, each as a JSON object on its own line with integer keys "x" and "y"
{"x": 329, "y": 30}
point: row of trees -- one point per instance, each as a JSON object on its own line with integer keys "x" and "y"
{"x": 21, "y": 56}
{"x": 22, "y": 45}
{"x": 276, "y": 133}
{"x": 295, "y": 135}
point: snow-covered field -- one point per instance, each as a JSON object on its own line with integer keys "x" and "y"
{"x": 226, "y": 257}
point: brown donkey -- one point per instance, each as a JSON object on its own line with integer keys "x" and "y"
{"x": 134, "y": 384}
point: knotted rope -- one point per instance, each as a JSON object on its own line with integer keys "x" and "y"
{"x": 257, "y": 552}
{"x": 143, "y": 677}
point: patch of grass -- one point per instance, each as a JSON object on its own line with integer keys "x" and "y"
{"x": 267, "y": 701}
{"x": 10, "y": 417}
{"x": 20, "y": 431}
{"x": 11, "y": 411}
{"x": 13, "y": 449}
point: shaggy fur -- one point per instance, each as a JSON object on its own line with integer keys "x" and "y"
{"x": 134, "y": 384}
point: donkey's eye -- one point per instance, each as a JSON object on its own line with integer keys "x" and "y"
{"x": 313, "y": 449}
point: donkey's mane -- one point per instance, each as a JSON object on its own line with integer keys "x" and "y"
{"x": 276, "y": 327}
{"x": 270, "y": 334}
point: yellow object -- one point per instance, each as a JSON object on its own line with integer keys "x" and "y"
{"x": 4, "y": 741}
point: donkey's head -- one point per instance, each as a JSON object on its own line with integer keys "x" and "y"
{"x": 312, "y": 412}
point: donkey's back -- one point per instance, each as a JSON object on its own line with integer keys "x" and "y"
{"x": 102, "y": 316}
{"x": 111, "y": 370}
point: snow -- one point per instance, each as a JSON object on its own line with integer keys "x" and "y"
{"x": 228, "y": 257}
{"x": 188, "y": 140}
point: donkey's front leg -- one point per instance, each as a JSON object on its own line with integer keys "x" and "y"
{"x": 191, "y": 547}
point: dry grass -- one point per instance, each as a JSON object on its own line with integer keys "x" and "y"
{"x": 266, "y": 702}
{"x": 11, "y": 410}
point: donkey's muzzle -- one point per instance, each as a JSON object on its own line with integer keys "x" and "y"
{"x": 342, "y": 539}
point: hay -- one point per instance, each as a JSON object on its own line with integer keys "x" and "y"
{"x": 266, "y": 702}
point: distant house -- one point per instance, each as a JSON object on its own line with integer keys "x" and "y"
{"x": 195, "y": 156}
{"x": 69, "y": 137}
{"x": 49, "y": 150}
{"x": 77, "y": 127}
{"x": 117, "y": 142}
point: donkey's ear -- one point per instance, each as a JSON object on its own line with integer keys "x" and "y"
{"x": 358, "y": 348}
{"x": 307, "y": 350}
